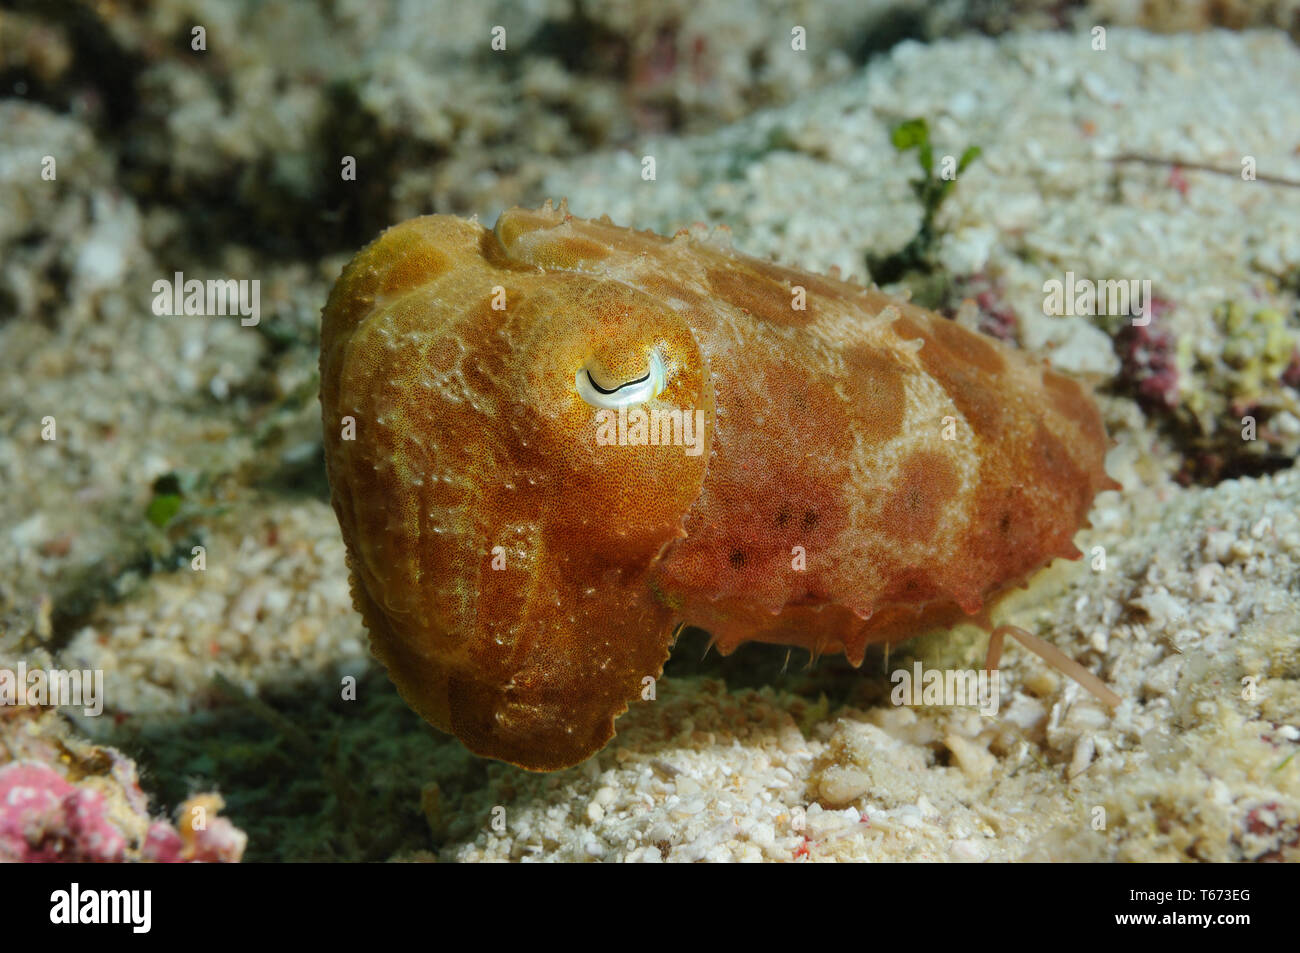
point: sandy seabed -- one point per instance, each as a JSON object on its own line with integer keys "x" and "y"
{"x": 1193, "y": 616}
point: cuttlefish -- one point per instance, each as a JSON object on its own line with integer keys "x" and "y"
{"x": 553, "y": 443}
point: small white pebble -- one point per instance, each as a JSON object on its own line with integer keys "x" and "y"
{"x": 1084, "y": 749}
{"x": 967, "y": 851}
{"x": 1206, "y": 578}
{"x": 687, "y": 786}
{"x": 972, "y": 758}
{"x": 909, "y": 816}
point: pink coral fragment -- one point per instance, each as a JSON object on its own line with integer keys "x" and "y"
{"x": 43, "y": 818}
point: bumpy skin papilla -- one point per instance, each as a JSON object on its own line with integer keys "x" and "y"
{"x": 865, "y": 470}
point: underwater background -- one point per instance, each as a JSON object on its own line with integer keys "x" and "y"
{"x": 164, "y": 511}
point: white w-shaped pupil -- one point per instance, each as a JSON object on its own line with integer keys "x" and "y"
{"x": 599, "y": 393}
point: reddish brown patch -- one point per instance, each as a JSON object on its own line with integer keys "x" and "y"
{"x": 575, "y": 249}
{"x": 926, "y": 482}
{"x": 1070, "y": 401}
{"x": 1005, "y": 542}
{"x": 968, "y": 345}
{"x": 1055, "y": 469}
{"x": 912, "y": 586}
{"x": 418, "y": 264}
{"x": 809, "y": 414}
{"x": 1066, "y": 395}
{"x": 972, "y": 390}
{"x": 760, "y": 296}
{"x": 875, "y": 381}
{"x": 699, "y": 314}
{"x": 766, "y": 492}
{"x": 1027, "y": 507}
{"x": 820, "y": 285}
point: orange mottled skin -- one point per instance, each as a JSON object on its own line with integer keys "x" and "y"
{"x": 870, "y": 469}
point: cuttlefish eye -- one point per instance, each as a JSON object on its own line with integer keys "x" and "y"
{"x": 599, "y": 392}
